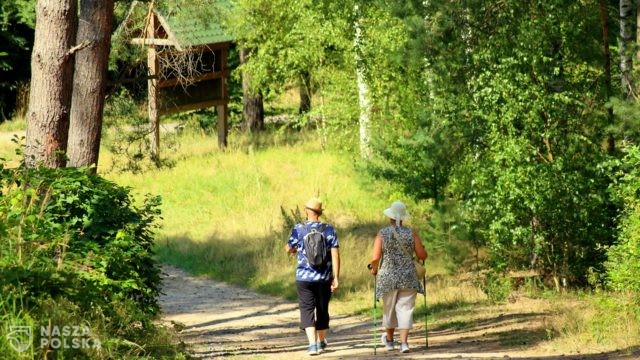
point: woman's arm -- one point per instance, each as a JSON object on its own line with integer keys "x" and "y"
{"x": 376, "y": 254}
{"x": 421, "y": 253}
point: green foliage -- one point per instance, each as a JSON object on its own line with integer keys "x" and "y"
{"x": 17, "y": 23}
{"x": 127, "y": 135}
{"x": 497, "y": 108}
{"x": 496, "y": 286}
{"x": 623, "y": 264}
{"x": 76, "y": 250}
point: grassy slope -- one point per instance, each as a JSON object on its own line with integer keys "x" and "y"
{"x": 222, "y": 210}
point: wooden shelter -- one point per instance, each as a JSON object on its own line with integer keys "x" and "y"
{"x": 187, "y": 54}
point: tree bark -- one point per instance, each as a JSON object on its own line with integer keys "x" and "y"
{"x": 363, "y": 93}
{"x": 611, "y": 145}
{"x": 305, "y": 93}
{"x": 638, "y": 33}
{"x": 85, "y": 129}
{"x": 626, "y": 39}
{"x": 252, "y": 102}
{"x": 51, "y": 83}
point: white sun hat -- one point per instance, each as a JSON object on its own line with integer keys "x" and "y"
{"x": 397, "y": 211}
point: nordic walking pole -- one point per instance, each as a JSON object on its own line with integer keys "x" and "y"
{"x": 426, "y": 328}
{"x": 375, "y": 335}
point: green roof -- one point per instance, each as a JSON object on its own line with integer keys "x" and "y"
{"x": 194, "y": 22}
{"x": 188, "y": 23}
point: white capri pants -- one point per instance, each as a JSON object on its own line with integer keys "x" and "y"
{"x": 397, "y": 307}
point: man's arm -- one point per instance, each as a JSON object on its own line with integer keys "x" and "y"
{"x": 292, "y": 241}
{"x": 335, "y": 265}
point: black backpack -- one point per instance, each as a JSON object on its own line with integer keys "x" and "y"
{"x": 315, "y": 247}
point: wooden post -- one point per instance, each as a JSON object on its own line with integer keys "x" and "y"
{"x": 152, "y": 89}
{"x": 223, "y": 110}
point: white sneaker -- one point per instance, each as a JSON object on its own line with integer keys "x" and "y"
{"x": 404, "y": 348}
{"x": 387, "y": 344}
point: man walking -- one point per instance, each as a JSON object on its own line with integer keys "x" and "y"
{"x": 317, "y": 273}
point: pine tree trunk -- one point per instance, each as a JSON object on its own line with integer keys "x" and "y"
{"x": 51, "y": 83}
{"x": 96, "y": 18}
{"x": 252, "y": 102}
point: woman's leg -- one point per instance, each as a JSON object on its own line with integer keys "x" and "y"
{"x": 405, "y": 305}
{"x": 404, "y": 335}
{"x": 389, "y": 317}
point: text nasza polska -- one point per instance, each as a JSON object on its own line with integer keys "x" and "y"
{"x": 68, "y": 337}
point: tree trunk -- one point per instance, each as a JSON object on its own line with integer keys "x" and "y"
{"x": 252, "y": 103}
{"x": 305, "y": 93}
{"x": 611, "y": 145}
{"x": 363, "y": 93}
{"x": 638, "y": 33}
{"x": 85, "y": 129}
{"x": 51, "y": 83}
{"x": 626, "y": 39}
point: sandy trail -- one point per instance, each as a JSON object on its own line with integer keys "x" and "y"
{"x": 223, "y": 321}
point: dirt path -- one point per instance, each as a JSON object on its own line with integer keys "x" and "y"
{"x": 218, "y": 320}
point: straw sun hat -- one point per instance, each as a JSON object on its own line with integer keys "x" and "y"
{"x": 314, "y": 204}
{"x": 397, "y": 211}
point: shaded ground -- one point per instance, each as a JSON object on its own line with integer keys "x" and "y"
{"x": 217, "y": 320}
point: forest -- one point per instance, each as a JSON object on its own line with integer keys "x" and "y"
{"x": 511, "y": 126}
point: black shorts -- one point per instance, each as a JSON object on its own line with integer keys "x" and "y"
{"x": 313, "y": 298}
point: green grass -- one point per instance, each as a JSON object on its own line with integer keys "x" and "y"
{"x": 223, "y": 210}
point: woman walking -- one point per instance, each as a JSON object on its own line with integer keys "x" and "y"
{"x": 397, "y": 280}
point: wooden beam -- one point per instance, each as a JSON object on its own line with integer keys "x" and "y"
{"x": 152, "y": 88}
{"x": 152, "y": 41}
{"x": 194, "y": 106}
{"x": 207, "y": 76}
{"x": 225, "y": 71}
{"x": 223, "y": 112}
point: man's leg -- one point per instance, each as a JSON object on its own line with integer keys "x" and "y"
{"x": 307, "y": 309}
{"x": 323, "y": 296}
{"x": 311, "y": 335}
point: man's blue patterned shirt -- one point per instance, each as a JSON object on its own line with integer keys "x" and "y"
{"x": 304, "y": 272}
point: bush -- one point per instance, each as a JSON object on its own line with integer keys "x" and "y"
{"x": 76, "y": 250}
{"x": 623, "y": 264}
{"x": 496, "y": 286}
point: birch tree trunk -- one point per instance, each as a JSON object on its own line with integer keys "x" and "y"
{"x": 85, "y": 129}
{"x": 363, "y": 93}
{"x": 51, "y": 83}
{"x": 626, "y": 38}
{"x": 252, "y": 103}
